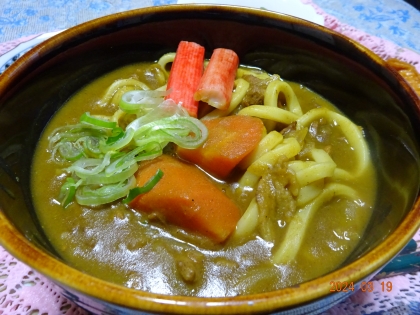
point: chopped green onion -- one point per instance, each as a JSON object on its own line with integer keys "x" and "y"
{"x": 91, "y": 146}
{"x": 136, "y": 155}
{"x": 104, "y": 156}
{"x": 187, "y": 132}
{"x": 119, "y": 143}
{"x": 87, "y": 118}
{"x": 144, "y": 189}
{"x": 92, "y": 195}
{"x": 133, "y": 101}
{"x": 83, "y": 136}
{"x": 103, "y": 179}
{"x": 70, "y": 151}
{"x": 165, "y": 109}
{"x": 117, "y": 134}
{"x": 89, "y": 166}
{"x": 67, "y": 192}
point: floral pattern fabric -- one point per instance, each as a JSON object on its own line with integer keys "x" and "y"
{"x": 28, "y": 17}
{"x": 393, "y": 20}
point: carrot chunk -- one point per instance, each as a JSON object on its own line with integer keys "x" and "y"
{"x": 187, "y": 198}
{"x": 185, "y": 75}
{"x": 230, "y": 139}
{"x": 217, "y": 83}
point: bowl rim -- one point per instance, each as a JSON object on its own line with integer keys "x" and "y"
{"x": 67, "y": 277}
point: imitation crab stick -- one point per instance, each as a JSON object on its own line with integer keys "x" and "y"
{"x": 187, "y": 198}
{"x": 216, "y": 85}
{"x": 230, "y": 139}
{"x": 185, "y": 75}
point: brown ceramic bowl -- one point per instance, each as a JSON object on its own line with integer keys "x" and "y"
{"x": 344, "y": 72}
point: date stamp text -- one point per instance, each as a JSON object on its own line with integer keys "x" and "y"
{"x": 369, "y": 286}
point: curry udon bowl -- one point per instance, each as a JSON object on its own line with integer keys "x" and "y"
{"x": 348, "y": 75}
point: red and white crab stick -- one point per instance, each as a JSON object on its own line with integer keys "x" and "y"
{"x": 216, "y": 85}
{"x": 185, "y": 75}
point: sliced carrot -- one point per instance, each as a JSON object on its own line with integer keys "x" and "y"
{"x": 185, "y": 75}
{"x": 216, "y": 85}
{"x": 187, "y": 198}
{"x": 230, "y": 139}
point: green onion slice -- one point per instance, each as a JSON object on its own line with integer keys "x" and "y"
{"x": 136, "y": 155}
{"x": 187, "y": 132}
{"x": 91, "y": 146}
{"x": 87, "y": 118}
{"x": 94, "y": 195}
{"x": 70, "y": 151}
{"x": 144, "y": 189}
{"x": 103, "y": 179}
{"x": 165, "y": 109}
{"x": 67, "y": 192}
{"x": 117, "y": 134}
{"x": 119, "y": 143}
{"x": 133, "y": 101}
{"x": 82, "y": 136}
{"x": 88, "y": 166}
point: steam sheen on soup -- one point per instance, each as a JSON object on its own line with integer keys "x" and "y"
{"x": 299, "y": 202}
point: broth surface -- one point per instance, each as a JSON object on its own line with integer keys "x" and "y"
{"x": 123, "y": 246}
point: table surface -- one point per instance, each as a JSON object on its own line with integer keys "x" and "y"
{"x": 390, "y": 28}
